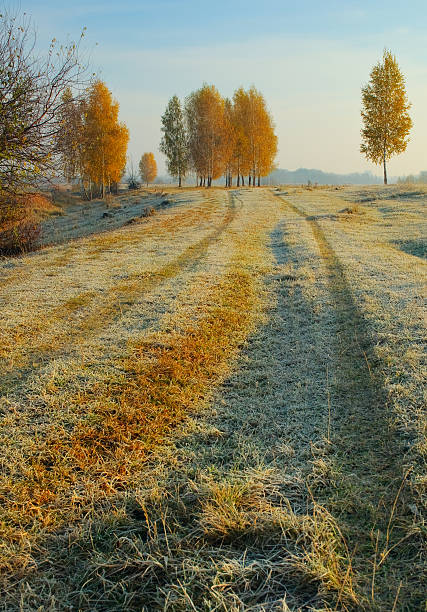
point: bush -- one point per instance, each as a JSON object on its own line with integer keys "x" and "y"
{"x": 20, "y": 222}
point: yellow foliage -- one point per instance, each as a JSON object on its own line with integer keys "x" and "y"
{"x": 386, "y": 122}
{"x": 148, "y": 168}
{"x": 105, "y": 138}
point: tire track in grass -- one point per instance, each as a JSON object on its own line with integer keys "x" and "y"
{"x": 364, "y": 475}
{"x": 120, "y": 299}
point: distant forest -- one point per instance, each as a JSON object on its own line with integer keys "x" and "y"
{"x": 306, "y": 175}
{"x": 302, "y": 176}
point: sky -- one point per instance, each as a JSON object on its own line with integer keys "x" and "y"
{"x": 308, "y": 58}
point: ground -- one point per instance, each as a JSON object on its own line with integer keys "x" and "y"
{"x": 218, "y": 406}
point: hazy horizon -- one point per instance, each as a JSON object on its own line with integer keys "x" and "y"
{"x": 309, "y": 62}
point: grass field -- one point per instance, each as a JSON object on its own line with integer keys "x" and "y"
{"x": 219, "y": 406}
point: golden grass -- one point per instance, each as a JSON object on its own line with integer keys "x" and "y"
{"x": 122, "y": 421}
{"x": 145, "y": 489}
{"x": 35, "y": 335}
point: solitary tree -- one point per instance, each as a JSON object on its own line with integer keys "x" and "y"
{"x": 148, "y": 168}
{"x": 386, "y": 121}
{"x": 174, "y": 140}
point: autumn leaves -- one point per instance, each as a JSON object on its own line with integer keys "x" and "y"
{"x": 214, "y": 137}
{"x": 386, "y": 121}
{"x": 210, "y": 137}
{"x": 92, "y": 142}
{"x": 148, "y": 168}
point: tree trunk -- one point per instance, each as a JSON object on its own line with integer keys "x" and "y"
{"x": 179, "y": 180}
{"x": 243, "y": 181}
{"x": 385, "y": 170}
{"x": 250, "y": 179}
{"x": 259, "y": 181}
{"x": 238, "y": 180}
{"x": 103, "y": 175}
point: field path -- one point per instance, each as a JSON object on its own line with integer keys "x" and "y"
{"x": 45, "y": 331}
{"x": 198, "y": 413}
{"x": 364, "y": 468}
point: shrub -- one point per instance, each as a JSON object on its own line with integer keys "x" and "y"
{"x": 20, "y": 222}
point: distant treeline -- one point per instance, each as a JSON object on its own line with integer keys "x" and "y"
{"x": 213, "y": 137}
{"x": 414, "y": 178}
{"x": 313, "y": 176}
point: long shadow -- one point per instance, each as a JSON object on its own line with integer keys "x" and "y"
{"x": 57, "y": 230}
{"x": 258, "y": 412}
{"x": 269, "y": 411}
{"x": 367, "y": 463}
{"x": 413, "y": 247}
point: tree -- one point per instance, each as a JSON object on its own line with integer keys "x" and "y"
{"x": 230, "y": 139}
{"x": 206, "y": 129}
{"x": 31, "y": 98}
{"x": 256, "y": 142}
{"x": 386, "y": 121}
{"x": 174, "y": 140}
{"x": 148, "y": 168}
{"x": 104, "y": 138}
{"x": 132, "y": 179}
{"x": 70, "y": 140}
{"x": 240, "y": 156}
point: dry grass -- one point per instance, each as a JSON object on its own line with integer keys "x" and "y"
{"x": 20, "y": 218}
{"x": 367, "y": 445}
{"x": 35, "y": 337}
{"x": 220, "y": 442}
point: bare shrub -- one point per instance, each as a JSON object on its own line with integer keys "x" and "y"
{"x": 20, "y": 222}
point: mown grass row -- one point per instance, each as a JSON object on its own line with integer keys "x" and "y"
{"x": 214, "y": 544}
{"x": 39, "y": 340}
{"x": 70, "y": 470}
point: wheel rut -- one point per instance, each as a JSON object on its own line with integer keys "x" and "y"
{"x": 118, "y": 301}
{"x": 365, "y": 485}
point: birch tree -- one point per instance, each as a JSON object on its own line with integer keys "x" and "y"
{"x": 386, "y": 120}
{"x": 148, "y": 168}
{"x": 105, "y": 139}
{"x": 174, "y": 140}
{"x": 206, "y": 133}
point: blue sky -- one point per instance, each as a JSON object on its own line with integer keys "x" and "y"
{"x": 309, "y": 59}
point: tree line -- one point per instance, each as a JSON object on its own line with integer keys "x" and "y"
{"x": 213, "y": 137}
{"x": 54, "y": 119}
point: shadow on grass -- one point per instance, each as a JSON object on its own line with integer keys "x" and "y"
{"x": 364, "y": 473}
{"x": 116, "y": 303}
{"x": 191, "y": 539}
{"x": 413, "y": 247}
{"x": 271, "y": 411}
